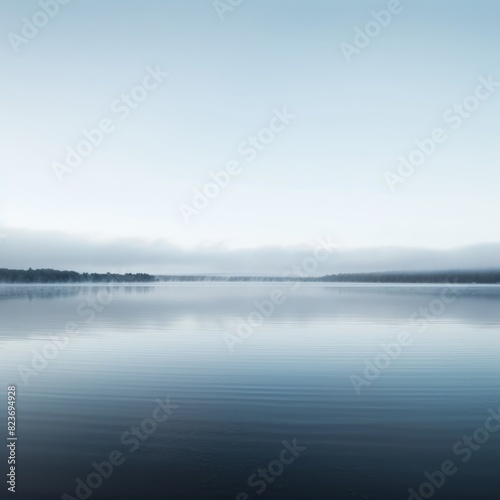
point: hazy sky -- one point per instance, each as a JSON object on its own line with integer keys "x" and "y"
{"x": 322, "y": 172}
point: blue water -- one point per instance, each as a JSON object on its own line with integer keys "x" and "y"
{"x": 229, "y": 412}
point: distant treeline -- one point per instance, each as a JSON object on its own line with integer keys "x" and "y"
{"x": 54, "y": 276}
{"x": 202, "y": 277}
{"x": 481, "y": 277}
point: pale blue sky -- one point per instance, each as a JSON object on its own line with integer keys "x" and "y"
{"x": 323, "y": 175}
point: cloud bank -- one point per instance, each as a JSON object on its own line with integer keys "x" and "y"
{"x": 21, "y": 249}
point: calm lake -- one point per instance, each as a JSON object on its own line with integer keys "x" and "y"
{"x": 253, "y": 390}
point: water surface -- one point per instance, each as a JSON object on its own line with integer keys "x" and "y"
{"x": 290, "y": 379}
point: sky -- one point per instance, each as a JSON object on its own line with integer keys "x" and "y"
{"x": 371, "y": 123}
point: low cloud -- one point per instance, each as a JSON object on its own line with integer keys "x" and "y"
{"x": 21, "y": 249}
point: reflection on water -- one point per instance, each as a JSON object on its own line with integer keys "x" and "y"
{"x": 8, "y": 292}
{"x": 96, "y": 359}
